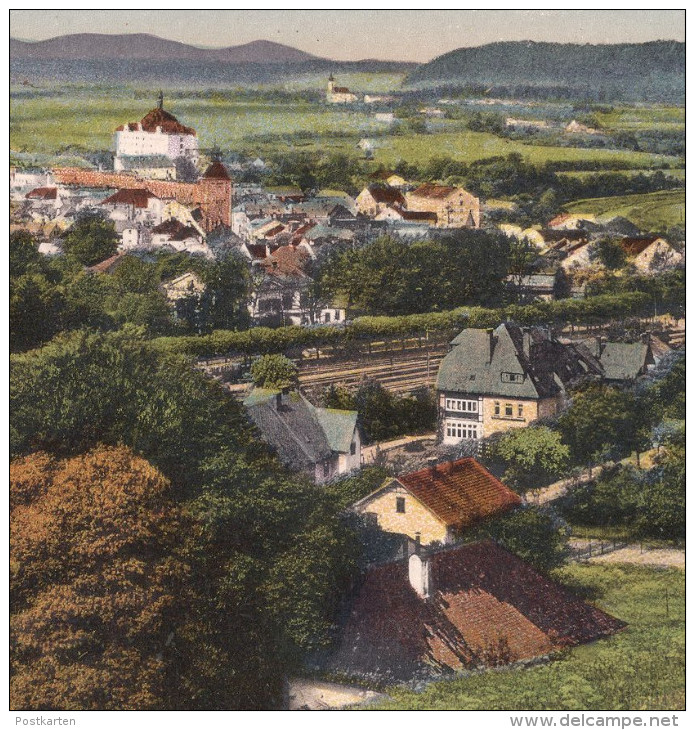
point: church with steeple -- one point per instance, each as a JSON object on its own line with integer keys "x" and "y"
{"x": 157, "y": 141}
{"x": 338, "y": 94}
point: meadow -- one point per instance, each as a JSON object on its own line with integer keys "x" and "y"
{"x": 650, "y": 211}
{"x": 640, "y": 668}
{"x": 50, "y": 123}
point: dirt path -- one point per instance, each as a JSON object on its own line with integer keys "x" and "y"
{"x": 659, "y": 557}
{"x": 369, "y": 453}
{"x": 310, "y": 694}
{"x": 557, "y": 489}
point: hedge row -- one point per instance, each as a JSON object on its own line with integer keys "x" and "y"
{"x": 264, "y": 340}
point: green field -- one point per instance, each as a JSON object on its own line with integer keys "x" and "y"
{"x": 650, "y": 211}
{"x": 677, "y": 173}
{"x": 82, "y": 119}
{"x": 641, "y": 118}
{"x": 640, "y": 668}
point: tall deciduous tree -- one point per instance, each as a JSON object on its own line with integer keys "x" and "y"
{"x": 92, "y": 238}
{"x": 532, "y": 456}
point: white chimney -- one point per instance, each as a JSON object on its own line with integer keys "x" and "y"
{"x": 419, "y": 575}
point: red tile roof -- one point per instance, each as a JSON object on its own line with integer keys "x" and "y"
{"x": 137, "y": 197}
{"x": 42, "y": 194}
{"x": 430, "y": 190}
{"x": 486, "y": 607}
{"x": 108, "y": 265}
{"x": 287, "y": 260}
{"x": 387, "y": 195}
{"x": 216, "y": 171}
{"x": 635, "y": 246}
{"x": 257, "y": 250}
{"x": 176, "y": 230}
{"x": 157, "y": 117}
{"x": 460, "y": 493}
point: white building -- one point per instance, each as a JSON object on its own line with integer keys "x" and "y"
{"x": 157, "y": 134}
{"x": 339, "y": 94}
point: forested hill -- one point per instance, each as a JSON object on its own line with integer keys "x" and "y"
{"x": 640, "y": 71}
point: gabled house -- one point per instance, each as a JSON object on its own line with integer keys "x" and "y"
{"x": 468, "y": 607}
{"x": 455, "y": 207}
{"x": 179, "y": 237}
{"x": 651, "y": 254}
{"x": 625, "y": 362}
{"x": 322, "y": 443}
{"x": 495, "y": 380}
{"x": 376, "y": 198}
{"x": 135, "y": 205}
{"x": 434, "y": 505}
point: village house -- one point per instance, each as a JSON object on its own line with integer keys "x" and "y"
{"x": 465, "y": 607}
{"x": 394, "y": 213}
{"x": 134, "y": 205}
{"x": 322, "y": 443}
{"x": 158, "y": 136}
{"x": 179, "y": 237}
{"x": 455, "y": 207}
{"x": 651, "y": 254}
{"x": 338, "y": 94}
{"x": 376, "y": 198}
{"x": 495, "y": 380}
{"x": 438, "y": 503}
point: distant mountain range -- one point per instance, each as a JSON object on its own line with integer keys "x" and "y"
{"x": 140, "y": 57}
{"x": 144, "y": 47}
{"x": 652, "y": 71}
{"x": 633, "y": 69}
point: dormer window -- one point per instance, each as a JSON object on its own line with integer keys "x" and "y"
{"x": 512, "y": 377}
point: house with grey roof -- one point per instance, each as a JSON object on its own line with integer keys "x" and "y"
{"x": 322, "y": 443}
{"x": 495, "y": 380}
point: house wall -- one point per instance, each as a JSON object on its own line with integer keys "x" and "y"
{"x": 416, "y": 518}
{"x": 326, "y": 470}
{"x": 351, "y": 462}
{"x": 499, "y": 423}
{"x": 452, "y": 211}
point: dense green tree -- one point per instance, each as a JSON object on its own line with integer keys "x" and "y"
{"x": 392, "y": 277}
{"x": 91, "y": 238}
{"x": 36, "y": 308}
{"x": 537, "y": 535}
{"x": 601, "y": 421}
{"x": 24, "y": 254}
{"x": 609, "y": 253}
{"x": 532, "y": 456}
{"x": 274, "y": 371}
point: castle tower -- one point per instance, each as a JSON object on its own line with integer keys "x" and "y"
{"x": 215, "y": 193}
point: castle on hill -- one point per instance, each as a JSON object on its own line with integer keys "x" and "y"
{"x": 152, "y": 146}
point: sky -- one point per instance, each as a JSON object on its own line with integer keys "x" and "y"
{"x": 348, "y": 35}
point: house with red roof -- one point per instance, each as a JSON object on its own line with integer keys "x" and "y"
{"x": 651, "y": 254}
{"x": 438, "y": 503}
{"x": 376, "y": 198}
{"x": 468, "y": 607}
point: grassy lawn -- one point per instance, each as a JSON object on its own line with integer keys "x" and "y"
{"x": 640, "y": 668}
{"x": 650, "y": 211}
